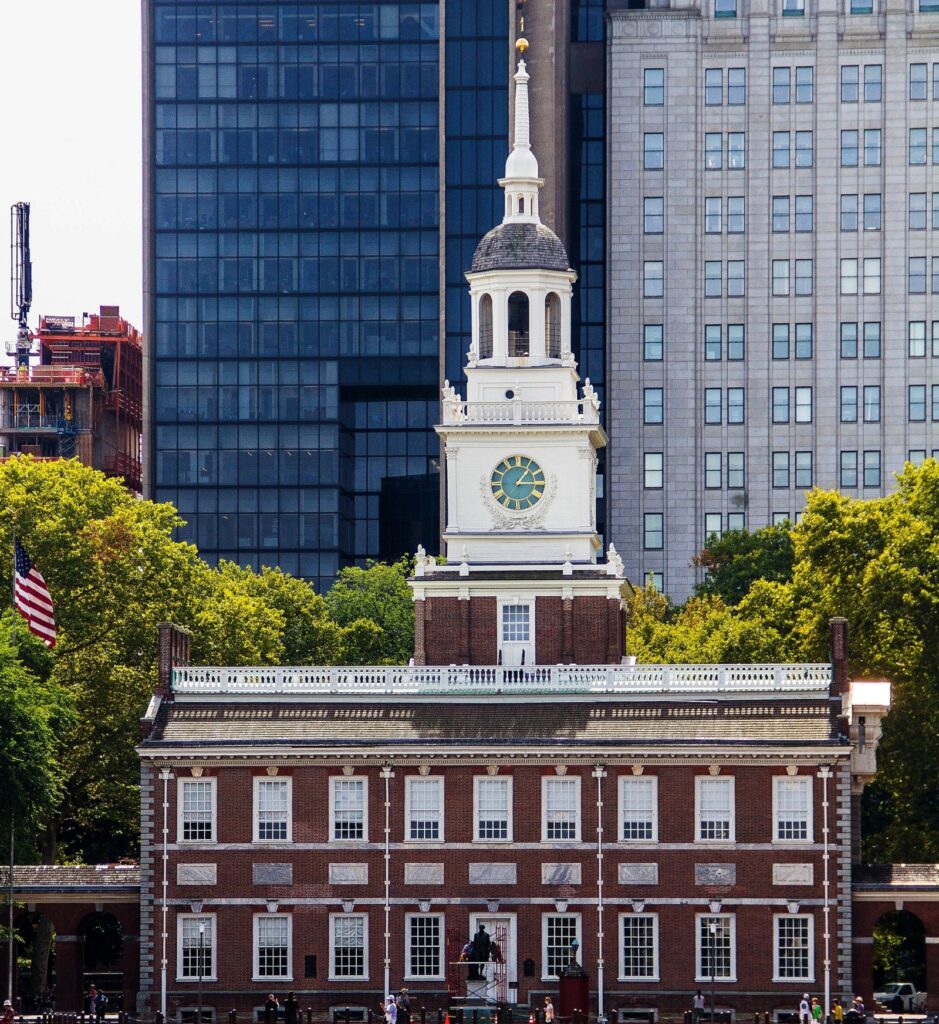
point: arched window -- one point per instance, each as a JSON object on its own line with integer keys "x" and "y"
{"x": 485, "y": 327}
{"x": 552, "y": 325}
{"x": 518, "y": 324}
{"x": 521, "y": 204}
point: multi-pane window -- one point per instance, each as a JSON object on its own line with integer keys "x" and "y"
{"x": 712, "y": 406}
{"x": 793, "y": 8}
{"x": 803, "y": 403}
{"x": 934, "y": 403}
{"x": 652, "y": 342}
{"x": 872, "y": 275}
{"x": 780, "y": 213}
{"x": 916, "y": 335}
{"x": 639, "y": 947}
{"x": 652, "y": 531}
{"x": 849, "y": 147}
{"x": 849, "y": 83}
{"x": 935, "y": 211}
{"x": 804, "y": 470}
{"x": 736, "y": 521}
{"x": 726, "y": 8}
{"x": 348, "y": 946}
{"x": 736, "y": 215}
{"x": 780, "y": 277}
{"x": 917, "y": 211}
{"x": 916, "y": 277}
{"x": 713, "y": 151}
{"x": 424, "y": 807}
{"x": 781, "y": 80}
{"x": 196, "y": 946}
{"x": 780, "y": 405}
{"x": 653, "y": 151}
{"x": 780, "y": 465}
{"x": 793, "y": 954}
{"x": 848, "y": 221}
{"x": 716, "y": 947}
{"x": 736, "y": 470}
{"x": 780, "y": 149}
{"x": 916, "y": 455}
{"x": 848, "y": 403}
{"x": 713, "y": 87}
{"x": 736, "y": 341}
{"x": 639, "y": 807}
{"x": 935, "y": 145}
{"x": 272, "y": 946}
{"x": 736, "y": 87}
{"x": 712, "y": 342}
{"x": 516, "y": 623}
{"x": 804, "y": 149}
{"x": 872, "y": 211}
{"x": 653, "y": 469}
{"x": 653, "y": 215}
{"x": 792, "y": 808}
{"x": 561, "y": 809}
{"x": 197, "y": 810}
{"x": 653, "y": 279}
{"x": 872, "y": 147}
{"x": 805, "y": 84}
{"x": 805, "y": 213}
{"x": 712, "y": 527}
{"x": 715, "y": 808}
{"x": 736, "y": 278}
{"x": 872, "y": 403}
{"x": 918, "y": 81}
{"x": 804, "y": 333}
{"x": 780, "y": 341}
{"x": 848, "y": 469}
{"x": 934, "y": 275}
{"x": 493, "y": 799}
{"x": 712, "y": 279}
{"x": 348, "y": 808}
{"x": 849, "y": 277}
{"x": 653, "y": 409}
{"x": 736, "y": 405}
{"x": 424, "y": 946}
{"x": 736, "y": 151}
{"x": 935, "y": 338}
{"x": 872, "y": 469}
{"x": 873, "y": 83}
{"x": 804, "y": 276}
{"x": 916, "y": 403}
{"x": 272, "y": 810}
{"x": 712, "y": 215}
{"x": 849, "y": 341}
{"x": 872, "y": 339}
{"x": 917, "y": 146}
{"x": 713, "y": 475}
{"x": 560, "y": 931}
{"x": 653, "y": 87}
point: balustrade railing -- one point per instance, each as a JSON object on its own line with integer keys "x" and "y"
{"x": 312, "y": 680}
{"x": 518, "y": 412}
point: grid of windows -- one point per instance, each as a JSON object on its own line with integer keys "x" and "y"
{"x": 560, "y": 931}
{"x": 198, "y": 810}
{"x": 639, "y": 946}
{"x": 348, "y": 946}
{"x": 425, "y": 809}
{"x": 561, "y": 809}
{"x": 638, "y": 808}
{"x": 793, "y": 810}
{"x": 348, "y": 808}
{"x": 493, "y": 808}
{"x": 716, "y": 947}
{"x": 425, "y": 946}
{"x": 272, "y": 798}
{"x": 272, "y": 946}
{"x": 793, "y": 948}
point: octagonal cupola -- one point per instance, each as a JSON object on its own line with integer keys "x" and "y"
{"x": 520, "y": 280}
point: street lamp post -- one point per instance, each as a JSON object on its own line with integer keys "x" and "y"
{"x": 201, "y": 969}
{"x": 165, "y": 776}
{"x": 387, "y": 774}
{"x": 712, "y": 928}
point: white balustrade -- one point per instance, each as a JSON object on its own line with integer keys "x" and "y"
{"x": 518, "y": 412}
{"x": 315, "y": 681}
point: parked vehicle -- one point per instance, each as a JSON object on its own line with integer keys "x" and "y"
{"x": 901, "y": 997}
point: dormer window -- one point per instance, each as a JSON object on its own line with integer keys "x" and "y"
{"x": 518, "y": 325}
{"x": 552, "y": 325}
{"x": 485, "y": 327}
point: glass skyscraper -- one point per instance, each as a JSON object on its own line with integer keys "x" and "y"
{"x": 312, "y": 201}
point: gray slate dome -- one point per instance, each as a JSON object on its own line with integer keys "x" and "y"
{"x": 520, "y": 246}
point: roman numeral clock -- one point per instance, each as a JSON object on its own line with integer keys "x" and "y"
{"x": 521, "y": 459}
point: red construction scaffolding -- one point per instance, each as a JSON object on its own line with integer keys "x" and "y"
{"x": 83, "y": 400}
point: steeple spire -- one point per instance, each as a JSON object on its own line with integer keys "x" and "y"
{"x": 521, "y": 182}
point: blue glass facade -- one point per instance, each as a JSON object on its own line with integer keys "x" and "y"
{"x": 294, "y": 201}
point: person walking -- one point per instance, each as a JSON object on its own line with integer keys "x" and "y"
{"x": 816, "y": 1009}
{"x": 100, "y": 1006}
{"x": 837, "y": 1012}
{"x": 7, "y": 1017}
{"x": 291, "y": 1009}
{"x": 548, "y": 1010}
{"x": 92, "y": 996}
{"x": 390, "y": 1010}
{"x": 697, "y": 1006}
{"x": 403, "y": 1003}
{"x": 805, "y": 1010}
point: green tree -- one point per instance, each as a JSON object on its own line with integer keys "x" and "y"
{"x": 380, "y": 594}
{"x": 738, "y": 559}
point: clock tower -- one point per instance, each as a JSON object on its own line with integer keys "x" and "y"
{"x": 522, "y": 583}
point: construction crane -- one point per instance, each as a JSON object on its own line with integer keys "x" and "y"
{"x": 21, "y": 281}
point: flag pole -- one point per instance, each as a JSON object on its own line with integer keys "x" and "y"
{"x": 10, "y": 943}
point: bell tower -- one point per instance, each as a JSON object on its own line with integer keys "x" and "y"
{"x": 522, "y": 583}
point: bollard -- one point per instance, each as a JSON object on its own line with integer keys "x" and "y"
{"x": 309, "y": 1015}
{"x": 232, "y": 1016}
{"x": 439, "y": 1015}
{"x": 475, "y": 1016}
{"x": 423, "y": 1015}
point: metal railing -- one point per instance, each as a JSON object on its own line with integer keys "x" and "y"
{"x": 536, "y": 680}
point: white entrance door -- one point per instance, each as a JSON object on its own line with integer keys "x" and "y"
{"x": 517, "y": 634}
{"x": 501, "y": 928}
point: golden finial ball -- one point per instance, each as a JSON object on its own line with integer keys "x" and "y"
{"x": 521, "y": 45}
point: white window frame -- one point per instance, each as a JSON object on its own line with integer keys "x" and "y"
{"x": 730, "y": 781}
{"x": 408, "y": 780}
{"x": 546, "y": 782}
{"x": 810, "y": 977}
{"x": 655, "y": 975}
{"x": 332, "y": 976}
{"x": 408, "y": 975}
{"x": 507, "y": 780}
{"x": 213, "y": 789}
{"x": 652, "y": 781}
{"x": 256, "y": 949}
{"x": 699, "y": 951}
{"x": 805, "y": 781}
{"x": 256, "y": 807}
{"x": 212, "y": 946}
{"x": 578, "y": 930}
{"x": 333, "y": 779}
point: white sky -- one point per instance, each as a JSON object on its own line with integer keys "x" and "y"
{"x": 70, "y": 144}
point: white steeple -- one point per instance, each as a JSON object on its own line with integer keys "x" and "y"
{"x": 521, "y": 183}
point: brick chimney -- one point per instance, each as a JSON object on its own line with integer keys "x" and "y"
{"x": 174, "y": 651}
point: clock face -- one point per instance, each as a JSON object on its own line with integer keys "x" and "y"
{"x": 517, "y": 482}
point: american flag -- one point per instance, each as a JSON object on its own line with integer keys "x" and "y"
{"x": 31, "y": 596}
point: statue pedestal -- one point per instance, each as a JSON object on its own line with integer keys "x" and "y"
{"x": 478, "y": 990}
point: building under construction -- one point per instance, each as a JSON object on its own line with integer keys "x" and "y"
{"x": 84, "y": 397}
